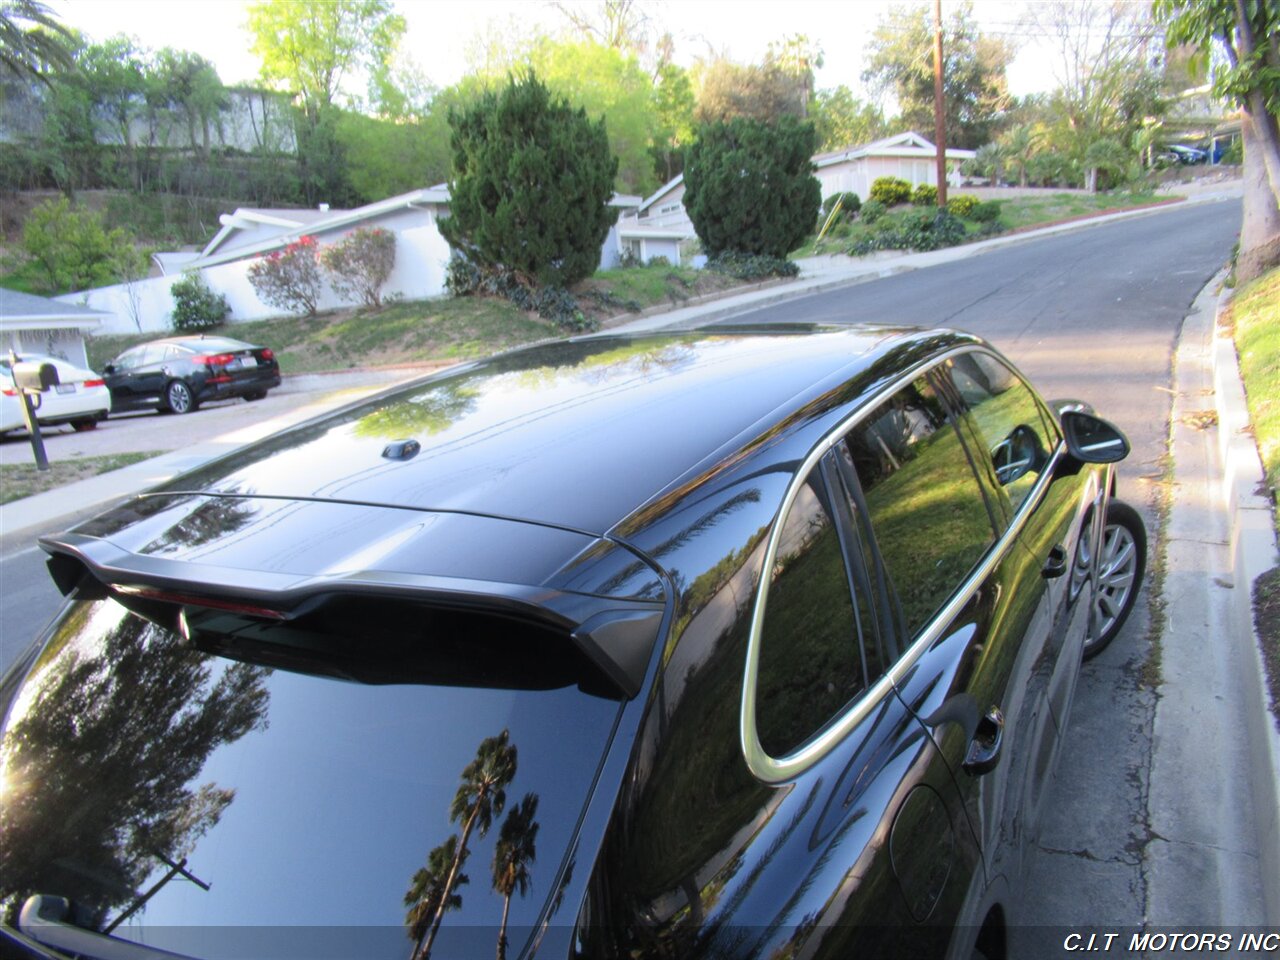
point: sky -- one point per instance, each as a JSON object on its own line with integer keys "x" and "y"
{"x": 441, "y": 31}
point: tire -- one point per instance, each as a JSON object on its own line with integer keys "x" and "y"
{"x": 80, "y": 426}
{"x": 256, "y": 395}
{"x": 1121, "y": 566}
{"x": 178, "y": 397}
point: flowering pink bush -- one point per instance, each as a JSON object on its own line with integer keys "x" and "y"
{"x": 359, "y": 264}
{"x": 289, "y": 278}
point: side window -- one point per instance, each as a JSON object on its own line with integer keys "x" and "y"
{"x": 926, "y": 507}
{"x": 1009, "y": 422}
{"x": 129, "y": 359}
{"x": 809, "y": 664}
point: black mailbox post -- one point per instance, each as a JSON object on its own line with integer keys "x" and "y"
{"x": 31, "y": 380}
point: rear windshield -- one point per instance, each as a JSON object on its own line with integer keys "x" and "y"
{"x": 307, "y": 813}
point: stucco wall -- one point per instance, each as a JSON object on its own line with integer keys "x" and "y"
{"x": 421, "y": 256}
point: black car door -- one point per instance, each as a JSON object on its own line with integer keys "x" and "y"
{"x": 1046, "y": 497}
{"x": 968, "y": 597}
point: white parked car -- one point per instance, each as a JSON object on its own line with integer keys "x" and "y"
{"x": 81, "y": 397}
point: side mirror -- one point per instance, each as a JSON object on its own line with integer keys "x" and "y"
{"x": 109, "y": 368}
{"x": 35, "y": 376}
{"x": 1091, "y": 439}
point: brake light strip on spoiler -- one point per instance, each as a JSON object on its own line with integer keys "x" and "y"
{"x": 617, "y": 636}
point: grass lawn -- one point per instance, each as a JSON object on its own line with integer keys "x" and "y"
{"x": 1255, "y": 315}
{"x": 1016, "y": 213}
{"x": 444, "y": 329}
{"x": 18, "y": 480}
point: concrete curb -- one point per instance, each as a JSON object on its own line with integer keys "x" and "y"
{"x": 1251, "y": 552}
{"x": 1213, "y": 850}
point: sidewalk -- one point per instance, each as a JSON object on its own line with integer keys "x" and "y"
{"x": 23, "y": 520}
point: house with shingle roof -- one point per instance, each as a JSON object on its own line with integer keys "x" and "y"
{"x": 907, "y": 156}
{"x": 31, "y": 324}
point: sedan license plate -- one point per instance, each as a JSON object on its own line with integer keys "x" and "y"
{"x": 66, "y": 388}
{"x": 249, "y": 361}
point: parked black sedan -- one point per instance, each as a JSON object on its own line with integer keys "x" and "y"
{"x": 752, "y": 643}
{"x": 177, "y": 374}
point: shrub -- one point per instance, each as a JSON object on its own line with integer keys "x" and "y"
{"x": 872, "y": 211}
{"x": 987, "y": 212}
{"x": 531, "y": 185}
{"x": 749, "y": 186}
{"x": 463, "y": 278}
{"x": 925, "y": 195}
{"x": 360, "y": 263}
{"x": 962, "y": 204}
{"x": 850, "y": 205}
{"x": 71, "y": 250}
{"x": 918, "y": 230}
{"x": 289, "y": 278}
{"x": 751, "y": 266}
{"x": 195, "y": 306}
{"x": 890, "y": 191}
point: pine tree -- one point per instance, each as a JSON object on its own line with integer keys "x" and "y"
{"x": 531, "y": 186}
{"x": 749, "y": 186}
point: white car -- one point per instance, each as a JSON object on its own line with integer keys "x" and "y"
{"x": 81, "y": 397}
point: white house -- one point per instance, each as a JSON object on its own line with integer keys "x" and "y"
{"x": 421, "y": 257}
{"x": 30, "y": 324}
{"x": 663, "y": 210}
{"x": 907, "y": 156}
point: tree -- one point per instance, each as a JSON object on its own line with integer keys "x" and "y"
{"x": 1107, "y": 81}
{"x": 607, "y": 83}
{"x": 673, "y": 131}
{"x": 481, "y": 796}
{"x": 71, "y": 250}
{"x": 515, "y": 851}
{"x": 749, "y": 186}
{"x": 426, "y": 889}
{"x": 113, "y": 74}
{"x": 1248, "y": 32}
{"x": 32, "y": 41}
{"x": 188, "y": 85}
{"x": 797, "y": 57}
{"x": 619, "y": 24}
{"x": 975, "y": 90}
{"x": 531, "y": 185}
{"x": 312, "y": 49}
{"x": 842, "y": 120}
{"x": 728, "y": 91}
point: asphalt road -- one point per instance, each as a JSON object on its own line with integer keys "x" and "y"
{"x": 1092, "y": 314}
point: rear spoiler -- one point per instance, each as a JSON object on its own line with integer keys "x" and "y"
{"x": 616, "y": 635}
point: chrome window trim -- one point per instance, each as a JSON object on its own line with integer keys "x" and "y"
{"x": 777, "y": 770}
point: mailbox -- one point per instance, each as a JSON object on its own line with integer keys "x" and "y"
{"x": 28, "y": 375}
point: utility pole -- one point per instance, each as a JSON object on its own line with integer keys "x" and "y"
{"x": 939, "y": 118}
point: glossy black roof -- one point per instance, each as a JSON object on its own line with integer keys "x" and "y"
{"x": 576, "y": 434}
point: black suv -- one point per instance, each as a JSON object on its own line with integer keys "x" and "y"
{"x": 178, "y": 374}
{"x": 720, "y": 644}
